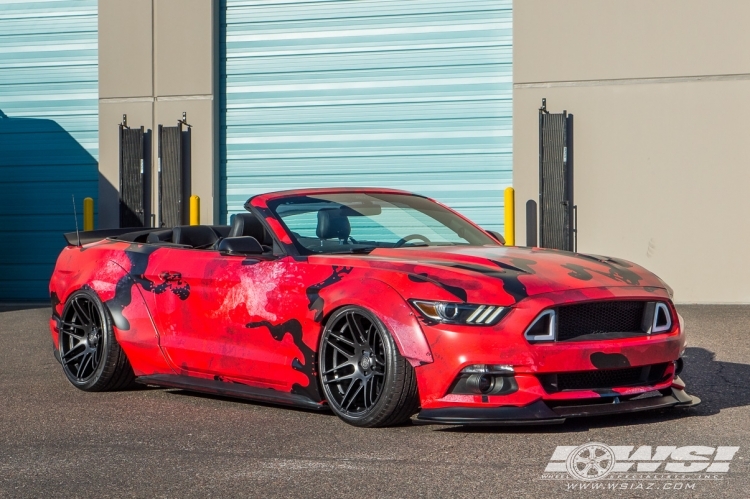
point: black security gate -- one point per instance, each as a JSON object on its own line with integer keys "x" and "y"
{"x": 556, "y": 208}
{"x": 132, "y": 177}
{"x": 174, "y": 175}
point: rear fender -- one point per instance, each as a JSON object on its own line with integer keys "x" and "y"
{"x": 388, "y": 305}
{"x": 135, "y": 329}
{"x": 105, "y": 271}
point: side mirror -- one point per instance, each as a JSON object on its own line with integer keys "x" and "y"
{"x": 242, "y": 245}
{"x": 497, "y": 236}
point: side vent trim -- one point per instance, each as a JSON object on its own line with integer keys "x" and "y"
{"x": 551, "y": 327}
{"x": 662, "y": 318}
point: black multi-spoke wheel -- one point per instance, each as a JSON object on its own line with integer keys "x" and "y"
{"x": 81, "y": 341}
{"x": 365, "y": 379}
{"x": 91, "y": 358}
{"x": 353, "y": 363}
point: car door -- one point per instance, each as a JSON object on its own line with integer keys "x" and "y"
{"x": 222, "y": 316}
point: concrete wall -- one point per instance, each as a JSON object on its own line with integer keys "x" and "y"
{"x": 659, "y": 93}
{"x": 157, "y": 59}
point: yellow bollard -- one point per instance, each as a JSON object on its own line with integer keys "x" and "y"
{"x": 510, "y": 217}
{"x": 88, "y": 214}
{"x": 195, "y": 210}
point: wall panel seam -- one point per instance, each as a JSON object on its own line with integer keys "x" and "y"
{"x": 117, "y": 100}
{"x": 633, "y": 81}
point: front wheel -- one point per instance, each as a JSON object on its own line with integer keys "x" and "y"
{"x": 89, "y": 353}
{"x": 366, "y": 381}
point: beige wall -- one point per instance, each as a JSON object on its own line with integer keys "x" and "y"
{"x": 184, "y": 49}
{"x": 157, "y": 59}
{"x": 125, "y": 48}
{"x": 659, "y": 91}
{"x": 594, "y": 39}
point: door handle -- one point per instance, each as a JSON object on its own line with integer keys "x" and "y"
{"x": 170, "y": 276}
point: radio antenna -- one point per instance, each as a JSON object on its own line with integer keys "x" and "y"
{"x": 75, "y": 216}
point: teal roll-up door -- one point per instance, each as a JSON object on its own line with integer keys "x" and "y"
{"x": 415, "y": 95}
{"x": 48, "y": 135}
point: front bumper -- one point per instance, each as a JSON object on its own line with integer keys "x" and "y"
{"x": 541, "y": 412}
{"x": 455, "y": 347}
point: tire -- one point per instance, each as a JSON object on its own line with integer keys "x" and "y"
{"x": 91, "y": 358}
{"x": 365, "y": 379}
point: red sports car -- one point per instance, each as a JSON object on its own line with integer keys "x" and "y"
{"x": 376, "y": 304}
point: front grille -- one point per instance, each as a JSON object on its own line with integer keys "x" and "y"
{"x": 599, "y": 379}
{"x": 599, "y": 318}
{"x": 605, "y": 378}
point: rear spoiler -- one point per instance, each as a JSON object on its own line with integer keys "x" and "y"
{"x": 92, "y": 236}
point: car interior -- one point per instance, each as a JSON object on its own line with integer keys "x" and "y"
{"x": 246, "y": 235}
{"x": 332, "y": 231}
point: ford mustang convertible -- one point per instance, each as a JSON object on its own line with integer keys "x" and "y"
{"x": 375, "y": 304}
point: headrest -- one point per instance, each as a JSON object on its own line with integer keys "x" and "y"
{"x": 247, "y": 224}
{"x": 159, "y": 236}
{"x": 332, "y": 223}
{"x": 221, "y": 230}
{"x": 241, "y": 245}
{"x": 194, "y": 235}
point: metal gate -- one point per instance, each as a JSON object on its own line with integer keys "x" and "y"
{"x": 556, "y": 208}
{"x": 174, "y": 174}
{"x": 413, "y": 95}
{"x": 132, "y": 209}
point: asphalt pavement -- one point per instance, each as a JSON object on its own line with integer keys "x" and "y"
{"x": 56, "y": 441}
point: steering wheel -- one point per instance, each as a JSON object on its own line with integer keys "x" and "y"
{"x": 410, "y": 237}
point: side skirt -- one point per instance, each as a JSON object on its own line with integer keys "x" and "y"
{"x": 228, "y": 389}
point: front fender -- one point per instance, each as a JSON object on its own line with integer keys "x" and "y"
{"x": 391, "y": 308}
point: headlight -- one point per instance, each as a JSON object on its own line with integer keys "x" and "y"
{"x": 460, "y": 313}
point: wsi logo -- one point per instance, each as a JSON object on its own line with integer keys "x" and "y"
{"x": 597, "y": 461}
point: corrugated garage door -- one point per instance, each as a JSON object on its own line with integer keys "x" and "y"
{"x": 413, "y": 95}
{"x": 48, "y": 135}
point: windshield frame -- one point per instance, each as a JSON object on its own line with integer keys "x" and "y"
{"x": 273, "y": 203}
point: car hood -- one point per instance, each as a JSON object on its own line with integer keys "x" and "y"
{"x": 518, "y": 272}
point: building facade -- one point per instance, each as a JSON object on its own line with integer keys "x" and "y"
{"x": 412, "y": 95}
{"x": 658, "y": 90}
{"x": 49, "y": 138}
{"x": 438, "y": 97}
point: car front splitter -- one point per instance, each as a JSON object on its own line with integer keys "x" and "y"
{"x": 539, "y": 413}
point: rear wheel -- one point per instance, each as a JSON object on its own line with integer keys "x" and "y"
{"x": 366, "y": 381}
{"x": 91, "y": 358}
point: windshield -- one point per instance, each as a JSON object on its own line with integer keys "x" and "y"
{"x": 358, "y": 222}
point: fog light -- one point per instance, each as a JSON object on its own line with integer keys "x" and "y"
{"x": 484, "y": 384}
{"x": 480, "y": 383}
{"x": 489, "y": 368}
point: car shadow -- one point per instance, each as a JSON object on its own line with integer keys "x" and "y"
{"x": 15, "y": 307}
{"x": 720, "y": 385}
{"x": 43, "y": 168}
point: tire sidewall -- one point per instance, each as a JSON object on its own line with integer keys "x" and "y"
{"x": 391, "y": 353}
{"x": 107, "y": 338}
